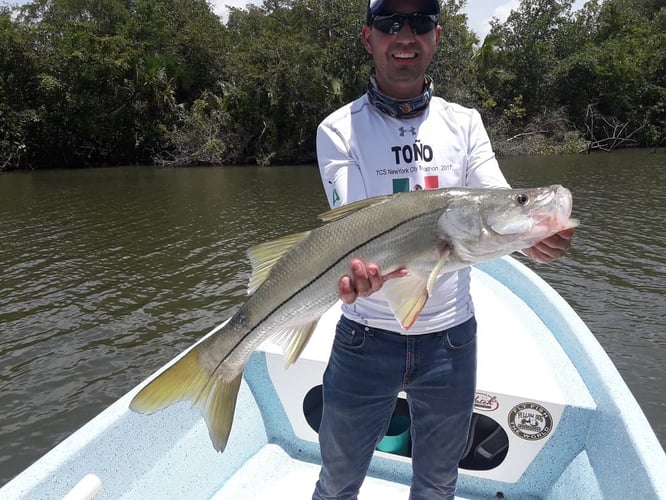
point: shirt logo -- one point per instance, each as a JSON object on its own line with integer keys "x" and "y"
{"x": 335, "y": 198}
{"x": 404, "y": 184}
{"x": 403, "y": 131}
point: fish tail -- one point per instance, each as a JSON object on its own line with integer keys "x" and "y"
{"x": 187, "y": 380}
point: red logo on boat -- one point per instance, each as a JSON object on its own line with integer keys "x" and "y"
{"x": 485, "y": 402}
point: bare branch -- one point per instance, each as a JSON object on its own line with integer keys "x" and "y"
{"x": 607, "y": 133}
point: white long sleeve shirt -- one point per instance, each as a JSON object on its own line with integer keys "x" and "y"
{"x": 363, "y": 152}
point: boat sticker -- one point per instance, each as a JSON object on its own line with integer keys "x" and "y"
{"x": 485, "y": 402}
{"x": 530, "y": 421}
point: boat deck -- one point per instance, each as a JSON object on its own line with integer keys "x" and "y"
{"x": 598, "y": 440}
{"x": 271, "y": 473}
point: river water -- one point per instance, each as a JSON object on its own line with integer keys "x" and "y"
{"x": 106, "y": 274}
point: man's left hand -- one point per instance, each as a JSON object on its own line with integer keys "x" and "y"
{"x": 551, "y": 248}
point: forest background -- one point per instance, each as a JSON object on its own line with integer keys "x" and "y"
{"x": 118, "y": 82}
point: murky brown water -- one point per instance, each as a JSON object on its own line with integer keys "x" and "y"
{"x": 107, "y": 274}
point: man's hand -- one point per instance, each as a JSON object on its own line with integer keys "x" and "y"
{"x": 363, "y": 281}
{"x": 551, "y": 248}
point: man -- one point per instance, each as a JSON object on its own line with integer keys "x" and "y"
{"x": 398, "y": 137}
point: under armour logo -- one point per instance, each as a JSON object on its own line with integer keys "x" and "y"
{"x": 403, "y": 130}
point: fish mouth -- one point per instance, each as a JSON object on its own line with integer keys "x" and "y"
{"x": 564, "y": 204}
{"x": 558, "y": 216}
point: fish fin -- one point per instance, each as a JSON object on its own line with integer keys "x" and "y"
{"x": 406, "y": 297}
{"x": 444, "y": 254}
{"x": 187, "y": 380}
{"x": 294, "y": 340}
{"x": 265, "y": 255}
{"x": 218, "y": 404}
{"x": 350, "y": 208}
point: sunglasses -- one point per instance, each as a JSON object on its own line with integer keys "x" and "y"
{"x": 392, "y": 24}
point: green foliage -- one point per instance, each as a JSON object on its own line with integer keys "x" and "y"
{"x": 529, "y": 44}
{"x": 106, "y": 76}
{"x": 606, "y": 60}
{"x": 294, "y": 62}
{"x": 17, "y": 85}
{"x": 202, "y": 135}
{"x": 620, "y": 70}
{"x": 452, "y": 68}
{"x": 85, "y": 82}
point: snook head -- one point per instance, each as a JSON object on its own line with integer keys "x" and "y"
{"x": 482, "y": 224}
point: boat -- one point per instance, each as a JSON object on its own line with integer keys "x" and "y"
{"x": 552, "y": 419}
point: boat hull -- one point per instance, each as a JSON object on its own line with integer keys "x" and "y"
{"x": 569, "y": 427}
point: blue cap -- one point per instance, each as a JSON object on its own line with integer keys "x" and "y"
{"x": 376, "y": 7}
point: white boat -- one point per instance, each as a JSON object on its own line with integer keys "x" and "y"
{"x": 553, "y": 419}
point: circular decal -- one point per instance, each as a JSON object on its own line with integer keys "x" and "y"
{"x": 530, "y": 421}
{"x": 485, "y": 402}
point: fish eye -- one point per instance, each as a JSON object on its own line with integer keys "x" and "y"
{"x": 522, "y": 199}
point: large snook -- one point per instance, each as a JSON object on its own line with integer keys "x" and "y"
{"x": 295, "y": 278}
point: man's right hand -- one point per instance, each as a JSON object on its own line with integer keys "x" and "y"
{"x": 364, "y": 280}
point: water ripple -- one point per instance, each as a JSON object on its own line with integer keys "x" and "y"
{"x": 107, "y": 274}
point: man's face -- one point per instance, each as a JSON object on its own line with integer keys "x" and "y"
{"x": 401, "y": 59}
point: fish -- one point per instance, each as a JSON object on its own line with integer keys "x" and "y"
{"x": 295, "y": 278}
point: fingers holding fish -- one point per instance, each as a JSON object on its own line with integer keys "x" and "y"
{"x": 364, "y": 280}
{"x": 551, "y": 248}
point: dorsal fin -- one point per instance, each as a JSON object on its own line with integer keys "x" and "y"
{"x": 345, "y": 210}
{"x": 265, "y": 255}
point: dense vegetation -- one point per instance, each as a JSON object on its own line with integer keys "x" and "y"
{"x": 90, "y": 82}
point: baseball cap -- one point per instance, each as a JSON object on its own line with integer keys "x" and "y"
{"x": 376, "y": 7}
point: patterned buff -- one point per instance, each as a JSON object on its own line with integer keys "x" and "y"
{"x": 400, "y": 108}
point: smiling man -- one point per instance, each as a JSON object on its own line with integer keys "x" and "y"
{"x": 401, "y": 59}
{"x": 399, "y": 137}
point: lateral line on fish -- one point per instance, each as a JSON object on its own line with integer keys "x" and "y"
{"x": 343, "y": 257}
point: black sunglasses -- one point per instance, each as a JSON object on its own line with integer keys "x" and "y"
{"x": 392, "y": 24}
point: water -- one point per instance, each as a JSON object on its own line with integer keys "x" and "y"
{"x": 107, "y": 274}
{"x": 615, "y": 276}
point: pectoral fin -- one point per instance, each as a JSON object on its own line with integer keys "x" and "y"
{"x": 408, "y": 296}
{"x": 444, "y": 253}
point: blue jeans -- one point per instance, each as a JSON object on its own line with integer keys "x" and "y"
{"x": 367, "y": 369}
